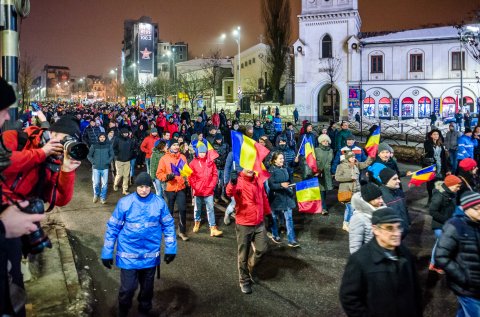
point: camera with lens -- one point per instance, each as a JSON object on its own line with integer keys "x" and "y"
{"x": 75, "y": 149}
{"x": 35, "y": 242}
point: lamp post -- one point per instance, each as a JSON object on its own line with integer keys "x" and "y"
{"x": 236, "y": 33}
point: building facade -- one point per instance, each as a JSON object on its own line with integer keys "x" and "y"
{"x": 170, "y": 54}
{"x": 54, "y": 83}
{"x": 402, "y": 75}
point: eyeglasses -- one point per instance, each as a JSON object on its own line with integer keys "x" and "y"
{"x": 392, "y": 229}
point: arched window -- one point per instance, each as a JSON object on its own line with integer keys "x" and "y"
{"x": 327, "y": 47}
{"x": 407, "y": 108}
{"x": 424, "y": 107}
{"x": 384, "y": 107}
{"x": 369, "y": 107}
{"x": 448, "y": 107}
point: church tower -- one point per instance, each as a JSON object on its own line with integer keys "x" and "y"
{"x": 326, "y": 27}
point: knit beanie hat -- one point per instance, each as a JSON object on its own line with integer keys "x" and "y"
{"x": 324, "y": 137}
{"x": 469, "y": 199}
{"x": 202, "y": 149}
{"x": 452, "y": 180}
{"x": 467, "y": 164}
{"x": 386, "y": 174}
{"x": 123, "y": 130}
{"x": 218, "y": 136}
{"x": 143, "y": 179}
{"x": 370, "y": 192}
{"x": 172, "y": 142}
{"x": 67, "y": 124}
{"x": 384, "y": 147}
{"x": 7, "y": 94}
{"x": 153, "y": 130}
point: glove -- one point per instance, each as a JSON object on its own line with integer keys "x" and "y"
{"x": 107, "y": 263}
{"x": 169, "y": 258}
{"x": 233, "y": 177}
{"x": 170, "y": 177}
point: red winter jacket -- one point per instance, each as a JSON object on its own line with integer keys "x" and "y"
{"x": 216, "y": 120}
{"x": 161, "y": 121}
{"x": 172, "y": 128}
{"x": 251, "y": 200}
{"x": 148, "y": 144}
{"x": 204, "y": 177}
{"x": 25, "y": 171}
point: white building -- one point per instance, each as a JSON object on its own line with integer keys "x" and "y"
{"x": 401, "y": 75}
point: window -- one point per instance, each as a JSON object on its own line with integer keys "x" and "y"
{"x": 181, "y": 49}
{"x": 229, "y": 90}
{"x": 416, "y": 63}
{"x": 242, "y": 65}
{"x": 458, "y": 59}
{"x": 249, "y": 62}
{"x": 253, "y": 60}
{"x": 376, "y": 64}
{"x": 181, "y": 56}
{"x": 327, "y": 47}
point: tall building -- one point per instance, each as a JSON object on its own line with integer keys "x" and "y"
{"x": 340, "y": 71}
{"x": 169, "y": 55}
{"x": 139, "y": 53}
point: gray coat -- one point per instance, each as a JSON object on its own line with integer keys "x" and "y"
{"x": 451, "y": 140}
{"x": 324, "y": 155}
{"x": 280, "y": 198}
{"x": 100, "y": 155}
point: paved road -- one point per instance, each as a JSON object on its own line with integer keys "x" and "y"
{"x": 203, "y": 279}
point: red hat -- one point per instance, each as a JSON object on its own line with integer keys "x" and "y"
{"x": 467, "y": 164}
{"x": 452, "y": 180}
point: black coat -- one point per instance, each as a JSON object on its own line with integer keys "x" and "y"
{"x": 395, "y": 199}
{"x": 123, "y": 149}
{"x": 442, "y": 206}
{"x": 429, "y": 155}
{"x": 4, "y": 299}
{"x": 280, "y": 198}
{"x": 458, "y": 253}
{"x": 375, "y": 285}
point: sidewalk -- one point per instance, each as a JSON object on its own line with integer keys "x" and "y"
{"x": 54, "y": 273}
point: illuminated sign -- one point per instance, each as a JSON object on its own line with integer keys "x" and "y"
{"x": 145, "y": 48}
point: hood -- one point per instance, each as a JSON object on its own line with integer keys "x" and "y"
{"x": 361, "y": 206}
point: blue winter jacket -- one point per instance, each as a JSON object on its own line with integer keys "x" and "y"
{"x": 277, "y": 122}
{"x": 465, "y": 147}
{"x": 137, "y": 225}
{"x": 359, "y": 155}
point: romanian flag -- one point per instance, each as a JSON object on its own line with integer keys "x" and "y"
{"x": 249, "y": 154}
{"x": 308, "y": 196}
{"x": 211, "y": 153}
{"x": 372, "y": 145}
{"x": 306, "y": 149}
{"x": 422, "y": 176}
{"x": 181, "y": 168}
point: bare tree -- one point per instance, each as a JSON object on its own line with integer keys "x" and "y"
{"x": 192, "y": 86}
{"x": 25, "y": 78}
{"x": 276, "y": 20}
{"x": 165, "y": 85}
{"x": 213, "y": 71}
{"x": 332, "y": 70}
{"x": 133, "y": 88}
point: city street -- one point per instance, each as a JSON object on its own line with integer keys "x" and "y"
{"x": 203, "y": 279}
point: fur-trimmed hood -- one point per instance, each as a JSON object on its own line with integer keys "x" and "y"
{"x": 361, "y": 206}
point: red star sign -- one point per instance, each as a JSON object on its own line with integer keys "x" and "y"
{"x": 145, "y": 53}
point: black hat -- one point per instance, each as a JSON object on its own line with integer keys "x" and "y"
{"x": 386, "y": 174}
{"x": 143, "y": 179}
{"x": 67, "y": 124}
{"x": 123, "y": 130}
{"x": 218, "y": 136}
{"x": 172, "y": 141}
{"x": 370, "y": 192}
{"x": 386, "y": 215}
{"x": 7, "y": 94}
{"x": 467, "y": 130}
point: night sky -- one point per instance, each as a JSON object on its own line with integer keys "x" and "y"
{"x": 86, "y": 35}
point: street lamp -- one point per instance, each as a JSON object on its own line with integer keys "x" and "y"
{"x": 236, "y": 33}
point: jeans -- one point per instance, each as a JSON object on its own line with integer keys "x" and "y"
{"x": 453, "y": 160}
{"x": 437, "y": 233}
{"x": 231, "y": 206}
{"x": 147, "y": 162}
{"x": 458, "y": 126}
{"x": 129, "y": 280}
{"x": 348, "y": 212}
{"x": 158, "y": 187}
{"x": 100, "y": 176}
{"x": 132, "y": 167}
{"x": 246, "y": 237}
{"x": 123, "y": 173}
{"x": 288, "y": 222}
{"x": 468, "y": 307}
{"x": 323, "y": 194}
{"x": 198, "y": 209}
{"x": 178, "y": 198}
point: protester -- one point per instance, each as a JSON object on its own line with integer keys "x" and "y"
{"x": 435, "y": 154}
{"x": 324, "y": 156}
{"x": 157, "y": 153}
{"x": 222, "y": 150}
{"x": 349, "y": 146}
{"x": 458, "y": 254}
{"x": 137, "y": 226}
{"x": 147, "y": 146}
{"x": 451, "y": 145}
{"x": 100, "y": 155}
{"x": 466, "y": 145}
{"x": 380, "y": 279}
{"x": 123, "y": 147}
{"x": 342, "y": 136}
{"x": 251, "y": 207}
{"x": 441, "y": 209}
{"x": 468, "y": 173}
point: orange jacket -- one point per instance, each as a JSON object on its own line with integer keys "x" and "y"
{"x": 164, "y": 168}
{"x": 148, "y": 144}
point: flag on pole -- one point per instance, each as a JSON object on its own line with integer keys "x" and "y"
{"x": 308, "y": 196}
{"x": 372, "y": 145}
{"x": 422, "y": 176}
{"x": 181, "y": 168}
{"x": 307, "y": 150}
{"x": 211, "y": 153}
{"x": 249, "y": 154}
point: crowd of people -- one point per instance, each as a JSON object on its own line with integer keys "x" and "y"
{"x": 186, "y": 158}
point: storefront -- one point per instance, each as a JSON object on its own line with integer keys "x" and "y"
{"x": 384, "y": 108}
{"x": 448, "y": 107}
{"x": 369, "y": 107}
{"x": 424, "y": 107}
{"x": 468, "y": 105}
{"x": 408, "y": 111}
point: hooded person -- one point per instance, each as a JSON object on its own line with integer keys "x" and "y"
{"x": 100, "y": 155}
{"x": 138, "y": 251}
{"x": 222, "y": 149}
{"x": 364, "y": 204}
{"x": 123, "y": 148}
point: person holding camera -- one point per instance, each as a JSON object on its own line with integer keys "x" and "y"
{"x": 138, "y": 224}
